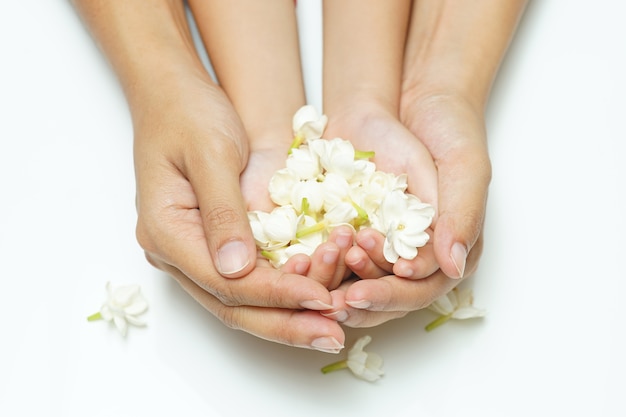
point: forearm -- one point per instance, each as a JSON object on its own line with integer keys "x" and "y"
{"x": 148, "y": 46}
{"x": 255, "y": 53}
{"x": 363, "y": 48}
{"x": 456, "y": 46}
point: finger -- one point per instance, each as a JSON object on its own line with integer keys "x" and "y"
{"x": 464, "y": 180}
{"x": 214, "y": 175}
{"x": 372, "y": 241}
{"x": 422, "y": 266}
{"x": 306, "y": 329}
{"x": 265, "y": 286}
{"x": 353, "y": 317}
{"x": 362, "y": 265}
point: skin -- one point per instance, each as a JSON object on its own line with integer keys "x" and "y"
{"x": 191, "y": 148}
{"x": 438, "y": 94}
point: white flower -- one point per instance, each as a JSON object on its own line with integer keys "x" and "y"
{"x": 303, "y": 164}
{"x": 403, "y": 219}
{"x": 335, "y": 155}
{"x": 122, "y": 306}
{"x": 312, "y": 191}
{"x": 280, "y": 186}
{"x": 275, "y": 229}
{"x": 308, "y": 124}
{"x": 365, "y": 365}
{"x": 457, "y": 304}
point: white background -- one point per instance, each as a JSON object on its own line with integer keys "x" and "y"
{"x": 552, "y": 276}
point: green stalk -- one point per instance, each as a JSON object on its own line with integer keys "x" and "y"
{"x": 335, "y": 366}
{"x": 297, "y": 141}
{"x": 95, "y": 316}
{"x": 438, "y": 322}
{"x": 363, "y": 154}
{"x": 317, "y": 227}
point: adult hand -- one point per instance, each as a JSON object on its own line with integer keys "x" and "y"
{"x": 453, "y": 137}
{"x": 189, "y": 152}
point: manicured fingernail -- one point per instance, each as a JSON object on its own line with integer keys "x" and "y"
{"x": 315, "y": 305}
{"x": 340, "y": 316}
{"x": 458, "y": 255}
{"x": 359, "y": 304}
{"x": 232, "y": 257}
{"x": 327, "y": 344}
{"x": 331, "y": 256}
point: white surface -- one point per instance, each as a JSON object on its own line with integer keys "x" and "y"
{"x": 552, "y": 275}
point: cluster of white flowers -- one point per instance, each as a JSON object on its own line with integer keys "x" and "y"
{"x": 327, "y": 183}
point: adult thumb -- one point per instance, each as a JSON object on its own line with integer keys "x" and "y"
{"x": 464, "y": 179}
{"x": 215, "y": 181}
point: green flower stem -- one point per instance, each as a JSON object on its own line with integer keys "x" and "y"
{"x": 268, "y": 255}
{"x": 305, "y": 231}
{"x": 335, "y": 366}
{"x": 362, "y": 216}
{"x": 363, "y": 154}
{"x": 95, "y": 316}
{"x": 438, "y": 322}
{"x": 297, "y": 141}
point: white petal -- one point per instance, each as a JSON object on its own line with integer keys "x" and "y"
{"x": 468, "y": 313}
{"x": 303, "y": 164}
{"x": 308, "y": 123}
{"x": 121, "y": 324}
{"x": 442, "y": 306}
{"x": 389, "y": 252}
{"x": 280, "y": 186}
{"x": 123, "y": 295}
{"x": 135, "y": 321}
{"x": 138, "y": 306}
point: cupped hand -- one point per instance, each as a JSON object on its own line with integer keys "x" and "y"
{"x": 453, "y": 131}
{"x": 189, "y": 153}
{"x": 369, "y": 127}
{"x": 371, "y": 302}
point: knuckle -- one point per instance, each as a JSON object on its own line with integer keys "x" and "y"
{"x": 221, "y": 215}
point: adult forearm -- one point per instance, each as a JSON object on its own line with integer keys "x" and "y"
{"x": 456, "y": 46}
{"x": 148, "y": 45}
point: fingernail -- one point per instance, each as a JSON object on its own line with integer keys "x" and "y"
{"x": 367, "y": 243}
{"x": 330, "y": 257}
{"x": 359, "y": 304}
{"x": 232, "y": 257}
{"x": 344, "y": 240}
{"x": 458, "y": 255}
{"x": 327, "y": 344}
{"x": 315, "y": 305}
{"x": 340, "y": 316}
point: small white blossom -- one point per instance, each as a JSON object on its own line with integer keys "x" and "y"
{"x": 308, "y": 124}
{"x": 281, "y": 184}
{"x": 335, "y": 155}
{"x": 403, "y": 219}
{"x": 365, "y": 365}
{"x": 457, "y": 304}
{"x": 276, "y": 229}
{"x": 303, "y": 164}
{"x": 123, "y": 305}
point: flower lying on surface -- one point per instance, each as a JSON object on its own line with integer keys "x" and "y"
{"x": 327, "y": 183}
{"x": 122, "y": 306}
{"x": 457, "y": 304}
{"x": 365, "y": 365}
